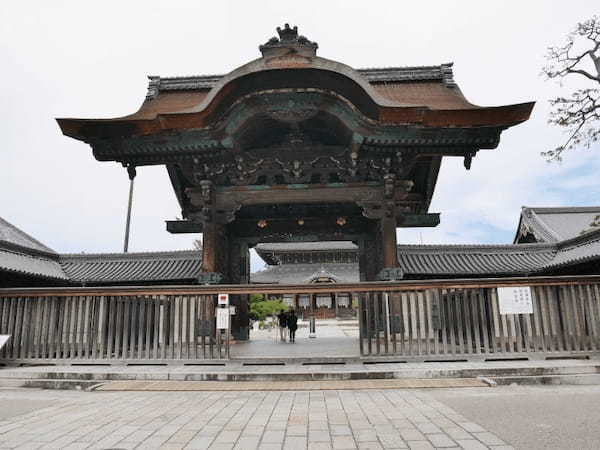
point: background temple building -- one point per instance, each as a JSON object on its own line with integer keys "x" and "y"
{"x": 548, "y": 241}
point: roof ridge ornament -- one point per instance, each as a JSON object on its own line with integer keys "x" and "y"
{"x": 289, "y": 39}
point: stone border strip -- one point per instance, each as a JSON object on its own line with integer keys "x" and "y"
{"x": 406, "y": 383}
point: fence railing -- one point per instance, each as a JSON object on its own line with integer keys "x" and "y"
{"x": 109, "y": 327}
{"x": 439, "y": 319}
{"x": 466, "y": 322}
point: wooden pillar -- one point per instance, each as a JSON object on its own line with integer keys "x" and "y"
{"x": 389, "y": 242}
{"x": 214, "y": 249}
{"x": 334, "y": 299}
{"x": 369, "y": 257}
{"x": 239, "y": 273}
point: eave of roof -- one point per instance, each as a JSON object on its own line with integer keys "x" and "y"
{"x": 31, "y": 265}
{"x": 474, "y": 259}
{"x": 132, "y": 267}
{"x": 390, "y": 110}
{"x": 12, "y": 237}
{"x": 577, "y": 250}
{"x": 532, "y": 220}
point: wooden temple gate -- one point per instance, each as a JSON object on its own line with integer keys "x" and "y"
{"x": 295, "y": 147}
{"x": 435, "y": 320}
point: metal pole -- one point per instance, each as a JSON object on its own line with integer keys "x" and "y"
{"x": 132, "y": 173}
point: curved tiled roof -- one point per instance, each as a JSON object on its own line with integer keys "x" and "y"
{"x": 30, "y": 264}
{"x": 425, "y": 96}
{"x": 577, "y": 250}
{"x": 430, "y": 85}
{"x": 133, "y": 267}
{"x": 429, "y": 261}
{"x": 474, "y": 259}
{"x": 13, "y": 236}
{"x": 304, "y": 273}
{"x": 557, "y": 224}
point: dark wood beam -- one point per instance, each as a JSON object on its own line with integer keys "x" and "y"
{"x": 405, "y": 221}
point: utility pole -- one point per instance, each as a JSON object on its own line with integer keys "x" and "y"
{"x": 132, "y": 173}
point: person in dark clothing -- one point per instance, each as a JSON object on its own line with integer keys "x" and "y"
{"x": 282, "y": 319}
{"x": 292, "y": 323}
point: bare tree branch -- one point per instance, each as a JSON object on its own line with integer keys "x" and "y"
{"x": 580, "y": 113}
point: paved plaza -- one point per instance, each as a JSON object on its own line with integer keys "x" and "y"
{"x": 469, "y": 418}
{"x": 333, "y": 338}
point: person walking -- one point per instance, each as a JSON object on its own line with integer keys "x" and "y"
{"x": 292, "y": 323}
{"x": 282, "y": 319}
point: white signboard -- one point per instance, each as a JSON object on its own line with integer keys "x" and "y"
{"x": 232, "y": 310}
{"x": 515, "y": 300}
{"x": 222, "y": 318}
{"x": 223, "y": 299}
{"x": 3, "y": 339}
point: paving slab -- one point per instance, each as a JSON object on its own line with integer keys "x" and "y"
{"x": 318, "y": 419}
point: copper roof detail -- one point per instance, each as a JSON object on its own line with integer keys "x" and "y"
{"x": 424, "y": 96}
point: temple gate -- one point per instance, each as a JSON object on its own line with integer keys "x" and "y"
{"x": 295, "y": 147}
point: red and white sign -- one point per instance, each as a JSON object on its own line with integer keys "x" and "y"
{"x": 223, "y": 299}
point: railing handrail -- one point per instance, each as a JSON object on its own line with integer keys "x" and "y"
{"x": 369, "y": 286}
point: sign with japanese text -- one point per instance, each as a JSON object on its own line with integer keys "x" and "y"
{"x": 515, "y": 300}
{"x": 222, "y": 318}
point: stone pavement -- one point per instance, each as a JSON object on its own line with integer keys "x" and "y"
{"x": 327, "y": 385}
{"x": 355, "y": 419}
{"x": 333, "y": 337}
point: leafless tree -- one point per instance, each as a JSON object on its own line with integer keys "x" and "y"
{"x": 579, "y": 114}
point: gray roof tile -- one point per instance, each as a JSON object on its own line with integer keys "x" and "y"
{"x": 577, "y": 250}
{"x": 557, "y": 224}
{"x": 9, "y": 234}
{"x": 473, "y": 259}
{"x": 441, "y": 73}
{"x": 36, "y": 265}
{"x": 305, "y": 273}
{"x": 426, "y": 260}
{"x": 133, "y": 267}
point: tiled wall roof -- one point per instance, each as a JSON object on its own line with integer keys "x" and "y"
{"x": 133, "y": 267}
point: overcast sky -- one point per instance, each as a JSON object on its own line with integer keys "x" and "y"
{"x": 90, "y": 59}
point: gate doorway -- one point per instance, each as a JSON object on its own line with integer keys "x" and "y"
{"x": 327, "y": 320}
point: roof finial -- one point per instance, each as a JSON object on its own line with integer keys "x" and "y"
{"x": 289, "y": 39}
{"x": 287, "y": 34}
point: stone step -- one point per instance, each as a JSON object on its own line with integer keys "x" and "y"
{"x": 291, "y": 384}
{"x": 297, "y": 373}
{"x": 583, "y": 379}
{"x": 36, "y": 383}
{"x": 502, "y": 373}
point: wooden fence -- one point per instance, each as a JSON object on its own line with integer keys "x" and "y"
{"x": 421, "y": 320}
{"x": 110, "y": 327}
{"x": 458, "y": 323}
